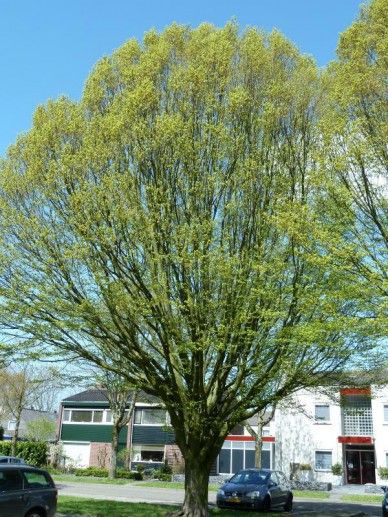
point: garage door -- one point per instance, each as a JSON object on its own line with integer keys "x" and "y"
{"x": 77, "y": 454}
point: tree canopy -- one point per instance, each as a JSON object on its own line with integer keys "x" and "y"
{"x": 172, "y": 222}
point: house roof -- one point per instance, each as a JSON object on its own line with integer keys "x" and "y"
{"x": 100, "y": 395}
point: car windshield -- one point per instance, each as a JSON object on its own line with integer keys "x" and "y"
{"x": 250, "y": 477}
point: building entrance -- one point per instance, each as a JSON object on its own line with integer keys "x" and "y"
{"x": 360, "y": 465}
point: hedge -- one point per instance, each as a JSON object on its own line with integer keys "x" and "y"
{"x": 103, "y": 473}
{"x": 33, "y": 453}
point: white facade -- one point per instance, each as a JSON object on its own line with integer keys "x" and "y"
{"x": 317, "y": 431}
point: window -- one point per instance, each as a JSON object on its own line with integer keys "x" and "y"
{"x": 150, "y": 416}
{"x": 386, "y": 413}
{"x": 83, "y": 416}
{"x": 108, "y": 416}
{"x": 238, "y": 455}
{"x": 37, "y": 480}
{"x": 323, "y": 460}
{"x": 10, "y": 480}
{"x": 11, "y": 425}
{"x": 322, "y": 413}
{"x": 148, "y": 453}
{"x": 97, "y": 416}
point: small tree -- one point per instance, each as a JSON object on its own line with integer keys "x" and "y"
{"x": 21, "y": 387}
{"x": 263, "y": 418}
{"x": 41, "y": 429}
{"x": 122, "y": 398}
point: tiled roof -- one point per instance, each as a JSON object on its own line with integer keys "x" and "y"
{"x": 99, "y": 395}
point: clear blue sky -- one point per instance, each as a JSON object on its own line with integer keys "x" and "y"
{"x": 48, "y": 47}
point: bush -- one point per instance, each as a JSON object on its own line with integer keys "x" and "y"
{"x": 383, "y": 472}
{"x": 103, "y": 473}
{"x": 33, "y": 453}
{"x": 165, "y": 468}
{"x": 305, "y": 466}
{"x": 337, "y": 469}
{"x": 92, "y": 471}
{"x": 129, "y": 474}
{"x": 162, "y": 476}
{"x": 140, "y": 468}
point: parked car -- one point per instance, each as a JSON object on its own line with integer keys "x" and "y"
{"x": 258, "y": 489}
{"x": 11, "y": 459}
{"x": 26, "y": 492}
{"x": 385, "y": 501}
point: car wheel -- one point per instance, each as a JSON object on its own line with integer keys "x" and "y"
{"x": 385, "y": 513}
{"x": 288, "y": 505}
{"x": 267, "y": 503}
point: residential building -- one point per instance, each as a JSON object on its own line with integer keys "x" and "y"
{"x": 8, "y": 422}
{"x": 347, "y": 426}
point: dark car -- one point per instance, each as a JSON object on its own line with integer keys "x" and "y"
{"x": 26, "y": 492}
{"x": 258, "y": 489}
{"x": 385, "y": 501}
{"x": 11, "y": 459}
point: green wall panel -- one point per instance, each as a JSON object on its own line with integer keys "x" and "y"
{"x": 91, "y": 433}
{"x": 151, "y": 435}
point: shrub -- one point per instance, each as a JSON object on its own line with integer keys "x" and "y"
{"x": 162, "y": 476}
{"x": 305, "y": 466}
{"x": 97, "y": 472}
{"x": 129, "y": 474}
{"x": 337, "y": 469}
{"x": 165, "y": 468}
{"x": 33, "y": 453}
{"x": 383, "y": 472}
{"x": 140, "y": 467}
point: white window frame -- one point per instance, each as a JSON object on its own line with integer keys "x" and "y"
{"x": 94, "y": 410}
{"x": 322, "y": 404}
{"x": 160, "y": 424}
{"x": 325, "y": 451}
{"x": 228, "y": 445}
{"x": 11, "y": 425}
{"x": 385, "y": 409}
{"x": 137, "y": 451}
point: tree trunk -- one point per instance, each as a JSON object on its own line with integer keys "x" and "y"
{"x": 196, "y": 486}
{"x": 197, "y": 471}
{"x": 258, "y": 449}
{"x": 15, "y": 436}
{"x": 113, "y": 455}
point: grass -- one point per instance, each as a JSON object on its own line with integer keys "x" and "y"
{"x": 100, "y": 508}
{"x": 349, "y": 498}
{"x": 88, "y": 479}
{"x": 170, "y": 484}
{"x": 311, "y": 494}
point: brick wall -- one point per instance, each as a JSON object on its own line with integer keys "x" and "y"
{"x": 100, "y": 454}
{"x": 174, "y": 456}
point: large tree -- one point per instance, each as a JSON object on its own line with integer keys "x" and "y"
{"x": 168, "y": 221}
{"x": 354, "y": 126}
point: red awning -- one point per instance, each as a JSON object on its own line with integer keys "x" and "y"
{"x": 355, "y": 439}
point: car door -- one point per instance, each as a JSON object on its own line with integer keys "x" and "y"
{"x": 274, "y": 489}
{"x": 12, "y": 496}
{"x": 41, "y": 489}
{"x": 284, "y": 486}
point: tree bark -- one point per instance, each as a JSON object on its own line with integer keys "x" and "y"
{"x": 15, "y": 436}
{"x": 196, "y": 486}
{"x": 113, "y": 456}
{"x": 258, "y": 448}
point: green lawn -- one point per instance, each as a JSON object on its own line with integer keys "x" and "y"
{"x": 311, "y": 494}
{"x": 58, "y": 478}
{"x": 349, "y": 498}
{"x": 98, "y": 508}
{"x": 169, "y": 484}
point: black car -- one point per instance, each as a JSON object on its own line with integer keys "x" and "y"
{"x": 258, "y": 489}
{"x": 385, "y": 501}
{"x": 26, "y": 492}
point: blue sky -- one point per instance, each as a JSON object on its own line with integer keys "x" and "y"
{"x": 48, "y": 47}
